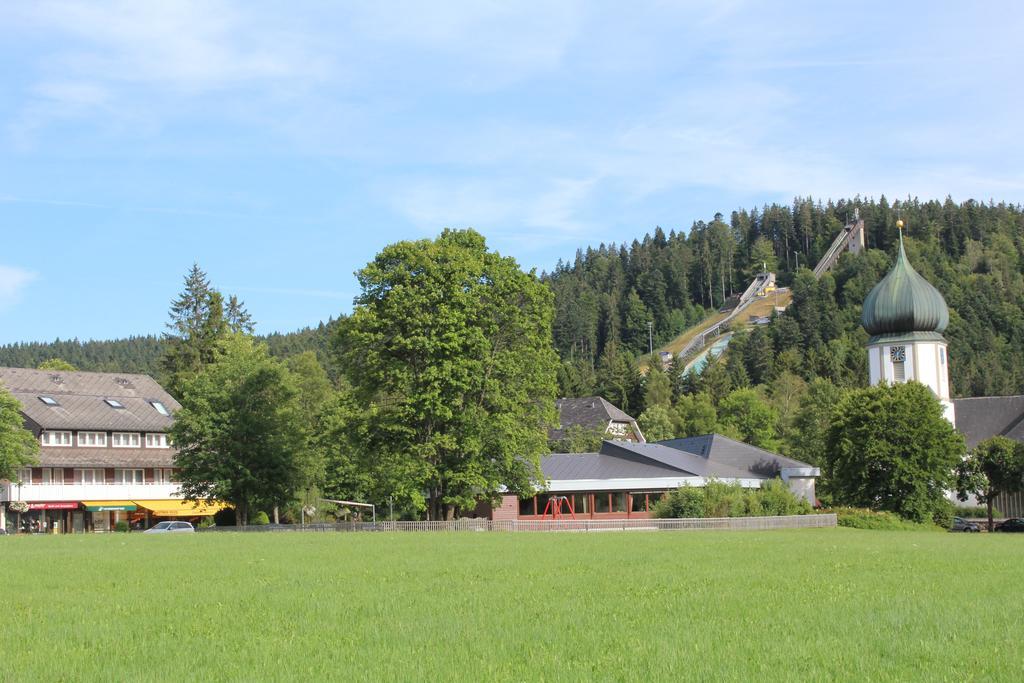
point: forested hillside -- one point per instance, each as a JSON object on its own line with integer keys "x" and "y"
{"x": 143, "y": 354}
{"x": 972, "y": 252}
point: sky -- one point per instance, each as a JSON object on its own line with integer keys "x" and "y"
{"x": 281, "y": 145}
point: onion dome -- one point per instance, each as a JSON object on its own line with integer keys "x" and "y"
{"x": 904, "y": 302}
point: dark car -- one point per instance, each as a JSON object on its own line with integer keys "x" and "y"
{"x": 961, "y": 524}
{"x": 1014, "y": 524}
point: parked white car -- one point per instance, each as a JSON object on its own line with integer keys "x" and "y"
{"x": 170, "y": 528}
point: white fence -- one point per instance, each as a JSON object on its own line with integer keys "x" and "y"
{"x": 692, "y": 524}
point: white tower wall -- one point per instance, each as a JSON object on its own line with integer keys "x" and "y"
{"x": 926, "y": 362}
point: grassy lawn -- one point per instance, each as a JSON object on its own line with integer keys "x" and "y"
{"x": 802, "y": 605}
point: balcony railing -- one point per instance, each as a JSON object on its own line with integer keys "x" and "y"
{"x": 78, "y": 492}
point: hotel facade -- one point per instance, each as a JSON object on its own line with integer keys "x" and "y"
{"x": 104, "y": 454}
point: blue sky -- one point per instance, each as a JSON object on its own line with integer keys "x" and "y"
{"x": 282, "y": 145}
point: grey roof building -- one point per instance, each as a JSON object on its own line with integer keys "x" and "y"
{"x": 593, "y": 413}
{"x": 985, "y": 416}
{"x": 622, "y": 465}
{"x": 71, "y": 402}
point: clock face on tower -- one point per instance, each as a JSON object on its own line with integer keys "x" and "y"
{"x": 898, "y": 354}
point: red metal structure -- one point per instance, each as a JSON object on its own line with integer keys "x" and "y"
{"x": 555, "y": 504}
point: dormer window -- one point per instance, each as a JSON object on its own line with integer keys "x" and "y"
{"x": 55, "y": 438}
{"x": 49, "y": 400}
{"x": 156, "y": 441}
{"x": 114, "y": 403}
{"x": 160, "y": 408}
{"x": 124, "y": 440}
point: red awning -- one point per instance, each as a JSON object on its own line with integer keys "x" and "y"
{"x": 61, "y": 505}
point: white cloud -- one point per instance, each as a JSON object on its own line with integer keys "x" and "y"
{"x": 13, "y": 281}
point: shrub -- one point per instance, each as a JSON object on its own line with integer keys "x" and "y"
{"x": 943, "y": 514}
{"x": 260, "y": 519}
{"x": 205, "y": 523}
{"x": 718, "y": 499}
{"x": 862, "y": 518}
{"x": 683, "y": 502}
{"x": 121, "y": 526}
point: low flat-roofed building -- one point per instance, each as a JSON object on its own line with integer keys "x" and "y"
{"x": 624, "y": 480}
{"x": 104, "y": 453}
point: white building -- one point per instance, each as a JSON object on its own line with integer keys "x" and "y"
{"x": 104, "y": 454}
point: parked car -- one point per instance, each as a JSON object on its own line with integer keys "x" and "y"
{"x": 170, "y": 528}
{"x": 1013, "y": 524}
{"x": 961, "y": 524}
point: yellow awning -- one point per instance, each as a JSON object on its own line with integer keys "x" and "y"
{"x": 174, "y": 507}
{"x": 109, "y": 505}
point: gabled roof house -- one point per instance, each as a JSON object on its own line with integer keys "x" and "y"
{"x": 593, "y": 413}
{"x": 104, "y": 453}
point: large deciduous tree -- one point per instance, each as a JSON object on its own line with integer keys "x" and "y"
{"x": 890, "y": 448}
{"x": 241, "y": 432}
{"x": 994, "y": 466}
{"x": 449, "y": 350}
{"x": 18, "y": 447}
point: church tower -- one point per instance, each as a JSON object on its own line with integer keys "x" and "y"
{"x": 906, "y": 316}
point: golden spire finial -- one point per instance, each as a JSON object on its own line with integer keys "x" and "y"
{"x": 899, "y": 224}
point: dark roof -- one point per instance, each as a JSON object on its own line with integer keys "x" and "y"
{"x": 560, "y": 466}
{"x": 679, "y": 460}
{"x": 711, "y": 455}
{"x": 904, "y": 302}
{"x": 590, "y": 412}
{"x": 81, "y": 397}
{"x": 56, "y": 456}
{"x": 980, "y": 418}
{"x": 735, "y": 454}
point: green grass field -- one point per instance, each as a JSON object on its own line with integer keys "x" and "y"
{"x": 802, "y": 605}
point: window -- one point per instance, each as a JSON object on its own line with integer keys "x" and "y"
{"x": 526, "y": 506}
{"x": 942, "y": 356}
{"x": 619, "y": 501}
{"x": 25, "y": 475}
{"x": 124, "y": 440}
{"x": 56, "y": 438}
{"x": 166, "y": 476}
{"x": 53, "y": 476}
{"x": 156, "y": 441}
{"x": 49, "y": 400}
{"x": 160, "y": 408}
{"x": 580, "y": 503}
{"x": 90, "y": 476}
{"x": 92, "y": 439}
{"x": 601, "y": 502}
{"x": 899, "y": 373}
{"x": 113, "y": 403}
{"x": 639, "y": 501}
{"x": 129, "y": 476}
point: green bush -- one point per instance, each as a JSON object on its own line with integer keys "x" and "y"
{"x": 260, "y": 519}
{"x": 681, "y": 503}
{"x": 121, "y": 526}
{"x": 943, "y": 515}
{"x": 862, "y": 518}
{"x": 975, "y": 511}
{"x": 205, "y": 523}
{"x": 718, "y": 499}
